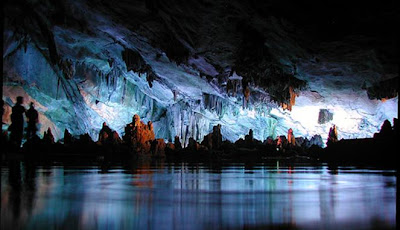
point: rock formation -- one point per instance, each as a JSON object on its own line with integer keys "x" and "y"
{"x": 324, "y": 116}
{"x": 213, "y": 141}
{"x": 290, "y": 137}
{"x": 333, "y": 135}
{"x": 48, "y": 137}
{"x": 139, "y": 136}
{"x": 158, "y": 148}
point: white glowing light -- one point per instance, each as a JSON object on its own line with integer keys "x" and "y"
{"x": 241, "y": 112}
{"x": 251, "y": 113}
{"x": 248, "y": 113}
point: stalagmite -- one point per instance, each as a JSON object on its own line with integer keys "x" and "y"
{"x": 292, "y": 99}
{"x": 139, "y": 136}
{"x": 291, "y": 139}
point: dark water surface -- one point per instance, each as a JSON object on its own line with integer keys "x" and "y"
{"x": 196, "y": 196}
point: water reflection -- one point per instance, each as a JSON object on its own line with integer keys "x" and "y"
{"x": 183, "y": 196}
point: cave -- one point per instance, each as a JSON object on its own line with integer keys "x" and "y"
{"x": 204, "y": 76}
{"x": 84, "y": 63}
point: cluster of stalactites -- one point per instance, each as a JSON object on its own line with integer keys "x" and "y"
{"x": 236, "y": 83}
{"x": 233, "y": 85}
{"x": 292, "y": 100}
{"x": 135, "y": 62}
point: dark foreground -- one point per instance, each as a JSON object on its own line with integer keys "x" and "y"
{"x": 274, "y": 194}
{"x": 139, "y": 142}
{"x": 362, "y": 152}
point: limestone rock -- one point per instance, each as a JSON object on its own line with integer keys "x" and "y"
{"x": 158, "y": 148}
{"x": 139, "y": 135}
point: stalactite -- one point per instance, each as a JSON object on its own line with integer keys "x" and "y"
{"x": 58, "y": 88}
{"x": 384, "y": 90}
{"x": 246, "y": 97}
{"x": 135, "y": 62}
{"x": 123, "y": 91}
{"x": 67, "y": 67}
{"x": 175, "y": 93}
{"x": 292, "y": 100}
{"x": 214, "y": 103}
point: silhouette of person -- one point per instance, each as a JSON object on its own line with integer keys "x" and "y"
{"x": 17, "y": 122}
{"x": 33, "y": 118}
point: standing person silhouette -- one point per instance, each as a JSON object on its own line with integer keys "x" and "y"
{"x": 33, "y": 118}
{"x": 17, "y": 122}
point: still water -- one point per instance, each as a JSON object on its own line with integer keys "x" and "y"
{"x": 196, "y": 196}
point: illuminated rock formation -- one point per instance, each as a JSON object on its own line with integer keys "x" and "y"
{"x": 290, "y": 137}
{"x": 291, "y": 101}
{"x": 158, "y": 148}
{"x": 139, "y": 136}
{"x": 333, "y": 135}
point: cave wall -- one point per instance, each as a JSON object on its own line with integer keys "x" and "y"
{"x": 85, "y": 65}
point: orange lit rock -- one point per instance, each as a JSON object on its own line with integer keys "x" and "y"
{"x": 292, "y": 99}
{"x": 170, "y": 146}
{"x": 116, "y": 139}
{"x": 247, "y": 93}
{"x": 158, "y": 148}
{"x": 139, "y": 135}
{"x": 332, "y": 136}
{"x": 291, "y": 138}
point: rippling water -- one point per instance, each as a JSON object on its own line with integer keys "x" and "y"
{"x": 196, "y": 196}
